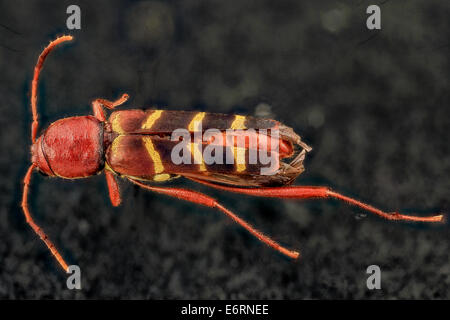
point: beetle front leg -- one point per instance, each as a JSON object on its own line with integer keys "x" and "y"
{"x": 98, "y": 103}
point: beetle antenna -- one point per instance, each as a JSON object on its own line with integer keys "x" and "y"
{"x": 34, "y": 83}
{"x": 36, "y": 228}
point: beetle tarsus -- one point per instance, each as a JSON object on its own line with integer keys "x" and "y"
{"x": 387, "y": 215}
{"x": 113, "y": 188}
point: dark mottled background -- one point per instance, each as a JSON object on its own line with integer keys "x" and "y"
{"x": 373, "y": 104}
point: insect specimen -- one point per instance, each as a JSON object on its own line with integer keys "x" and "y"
{"x": 137, "y": 145}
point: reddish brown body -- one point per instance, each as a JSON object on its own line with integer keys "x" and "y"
{"x": 78, "y": 147}
{"x": 71, "y": 148}
{"x": 136, "y": 145}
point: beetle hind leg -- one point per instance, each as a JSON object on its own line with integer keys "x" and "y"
{"x": 309, "y": 192}
{"x": 113, "y": 188}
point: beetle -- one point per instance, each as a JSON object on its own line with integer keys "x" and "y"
{"x": 136, "y": 145}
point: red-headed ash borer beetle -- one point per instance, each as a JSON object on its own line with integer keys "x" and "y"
{"x": 138, "y": 145}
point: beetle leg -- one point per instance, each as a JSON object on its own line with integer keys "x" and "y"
{"x": 33, "y": 225}
{"x": 304, "y": 192}
{"x": 202, "y": 199}
{"x": 113, "y": 188}
{"x": 98, "y": 103}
